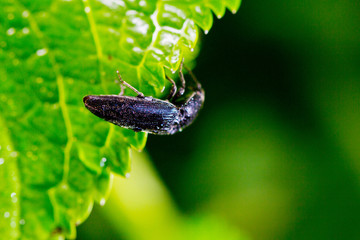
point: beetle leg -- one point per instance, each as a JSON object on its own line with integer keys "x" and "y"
{"x": 173, "y": 89}
{"x": 182, "y": 79}
{"x": 139, "y": 94}
{"x": 122, "y": 88}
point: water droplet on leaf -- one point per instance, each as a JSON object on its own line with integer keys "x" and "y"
{"x": 10, "y": 31}
{"x": 41, "y": 52}
{"x": 25, "y": 14}
{"x": 25, "y": 30}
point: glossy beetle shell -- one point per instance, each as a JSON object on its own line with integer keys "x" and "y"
{"x": 139, "y": 114}
{"x": 146, "y": 113}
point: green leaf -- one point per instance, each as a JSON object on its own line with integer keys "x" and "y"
{"x": 56, "y": 158}
{"x": 9, "y": 187}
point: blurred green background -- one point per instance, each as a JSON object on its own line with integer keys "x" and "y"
{"x": 275, "y": 153}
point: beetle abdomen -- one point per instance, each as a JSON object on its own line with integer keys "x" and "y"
{"x": 139, "y": 114}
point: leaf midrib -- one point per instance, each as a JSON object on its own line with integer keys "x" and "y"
{"x": 99, "y": 54}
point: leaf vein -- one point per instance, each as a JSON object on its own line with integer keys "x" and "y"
{"x": 61, "y": 90}
{"x": 99, "y": 54}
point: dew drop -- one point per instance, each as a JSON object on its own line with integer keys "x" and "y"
{"x": 13, "y": 224}
{"x": 233, "y": 11}
{"x": 142, "y": 3}
{"x": 206, "y": 31}
{"x": 102, "y": 162}
{"x": 87, "y": 9}
{"x": 198, "y": 9}
{"x": 6, "y": 214}
{"x": 111, "y": 30}
{"x": 130, "y": 40}
{"x": 191, "y": 49}
{"x": 137, "y": 49}
{"x": 13, "y": 197}
{"x": 127, "y": 175}
{"x": 22, "y": 221}
{"x": 25, "y": 14}
{"x": 10, "y": 31}
{"x": 8, "y": 148}
{"x": 158, "y": 51}
{"x": 41, "y": 52}
{"x": 2, "y": 160}
{"x": 102, "y": 202}
{"x": 25, "y": 30}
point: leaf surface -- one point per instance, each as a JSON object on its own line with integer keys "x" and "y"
{"x": 55, "y": 157}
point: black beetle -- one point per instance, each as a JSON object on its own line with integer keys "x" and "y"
{"x": 148, "y": 114}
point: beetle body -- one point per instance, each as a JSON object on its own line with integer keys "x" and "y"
{"x": 146, "y": 114}
{"x": 139, "y": 114}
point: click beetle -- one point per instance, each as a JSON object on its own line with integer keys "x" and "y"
{"x": 148, "y": 114}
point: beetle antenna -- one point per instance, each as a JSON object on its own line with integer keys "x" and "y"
{"x": 139, "y": 94}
